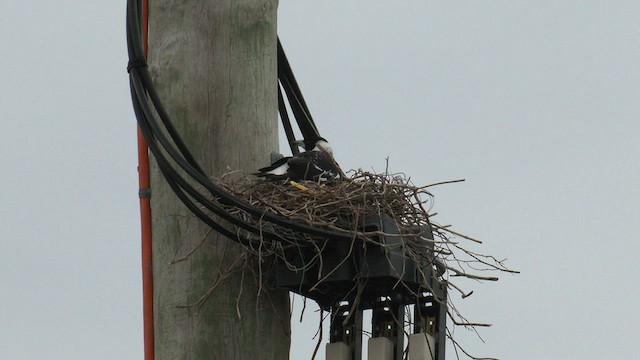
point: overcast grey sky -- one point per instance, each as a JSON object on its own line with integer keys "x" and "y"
{"x": 533, "y": 102}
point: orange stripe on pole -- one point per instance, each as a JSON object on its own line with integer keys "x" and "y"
{"x": 145, "y": 26}
{"x": 147, "y": 264}
{"x": 145, "y": 217}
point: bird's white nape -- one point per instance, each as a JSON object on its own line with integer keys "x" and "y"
{"x": 323, "y": 145}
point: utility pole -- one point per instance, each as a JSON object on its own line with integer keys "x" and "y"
{"x": 214, "y": 65}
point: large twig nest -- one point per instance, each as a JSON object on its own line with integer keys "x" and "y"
{"x": 339, "y": 206}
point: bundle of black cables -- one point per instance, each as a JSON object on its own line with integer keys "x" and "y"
{"x": 181, "y": 170}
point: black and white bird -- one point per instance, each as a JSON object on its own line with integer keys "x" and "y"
{"x": 316, "y": 163}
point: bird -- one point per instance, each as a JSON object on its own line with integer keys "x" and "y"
{"x": 316, "y": 164}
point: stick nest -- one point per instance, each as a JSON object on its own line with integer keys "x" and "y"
{"x": 340, "y": 206}
{"x": 335, "y": 206}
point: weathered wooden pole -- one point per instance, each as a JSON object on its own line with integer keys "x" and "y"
{"x": 214, "y": 65}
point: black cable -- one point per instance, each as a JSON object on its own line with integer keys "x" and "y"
{"x": 203, "y": 180}
{"x": 299, "y": 107}
{"x": 148, "y": 131}
{"x": 285, "y": 74}
{"x": 135, "y": 47}
{"x": 286, "y": 124}
{"x": 156, "y": 135}
{"x": 176, "y": 189}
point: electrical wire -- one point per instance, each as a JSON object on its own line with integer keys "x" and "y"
{"x": 172, "y": 154}
{"x": 286, "y": 123}
{"x": 299, "y": 107}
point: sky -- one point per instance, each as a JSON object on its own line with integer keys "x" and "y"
{"x": 534, "y": 103}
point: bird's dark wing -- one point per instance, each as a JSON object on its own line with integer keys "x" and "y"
{"x": 301, "y": 167}
{"x": 325, "y": 163}
{"x": 313, "y": 165}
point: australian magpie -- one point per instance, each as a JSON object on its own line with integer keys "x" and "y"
{"x": 316, "y": 163}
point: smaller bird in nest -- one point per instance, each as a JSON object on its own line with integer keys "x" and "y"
{"x": 316, "y": 164}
